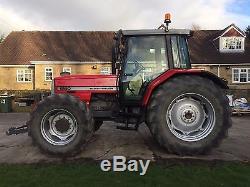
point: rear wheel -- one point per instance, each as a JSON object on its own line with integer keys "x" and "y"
{"x": 61, "y": 124}
{"x": 189, "y": 115}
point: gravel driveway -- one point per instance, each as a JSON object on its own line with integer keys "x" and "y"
{"x": 109, "y": 141}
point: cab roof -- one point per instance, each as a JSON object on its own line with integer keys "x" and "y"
{"x": 156, "y": 32}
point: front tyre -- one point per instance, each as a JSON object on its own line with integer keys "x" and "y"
{"x": 60, "y": 125}
{"x": 189, "y": 115}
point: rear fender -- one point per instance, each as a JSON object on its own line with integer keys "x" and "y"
{"x": 178, "y": 72}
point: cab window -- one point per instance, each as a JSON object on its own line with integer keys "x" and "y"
{"x": 180, "y": 52}
{"x": 146, "y": 59}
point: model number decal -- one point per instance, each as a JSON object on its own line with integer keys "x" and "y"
{"x": 83, "y": 88}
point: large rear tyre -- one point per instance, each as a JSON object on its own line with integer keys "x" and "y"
{"x": 60, "y": 125}
{"x": 189, "y": 115}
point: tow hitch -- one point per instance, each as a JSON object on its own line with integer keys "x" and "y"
{"x": 17, "y": 130}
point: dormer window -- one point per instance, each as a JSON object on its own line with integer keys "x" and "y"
{"x": 231, "y": 40}
{"x": 232, "y": 44}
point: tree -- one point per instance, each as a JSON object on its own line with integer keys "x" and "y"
{"x": 2, "y": 38}
{"x": 195, "y": 27}
{"x": 248, "y": 32}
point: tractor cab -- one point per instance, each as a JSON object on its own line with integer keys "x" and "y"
{"x": 140, "y": 56}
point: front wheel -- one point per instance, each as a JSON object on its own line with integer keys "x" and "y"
{"x": 60, "y": 125}
{"x": 189, "y": 115}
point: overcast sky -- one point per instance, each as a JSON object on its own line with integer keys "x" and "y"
{"x": 116, "y": 14}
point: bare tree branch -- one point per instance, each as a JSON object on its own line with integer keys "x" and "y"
{"x": 195, "y": 27}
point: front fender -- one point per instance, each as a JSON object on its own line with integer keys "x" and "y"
{"x": 178, "y": 72}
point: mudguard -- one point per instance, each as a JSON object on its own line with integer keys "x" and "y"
{"x": 178, "y": 72}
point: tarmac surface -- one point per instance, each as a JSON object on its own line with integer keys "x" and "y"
{"x": 109, "y": 141}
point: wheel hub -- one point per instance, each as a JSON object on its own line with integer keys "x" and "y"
{"x": 62, "y": 125}
{"x": 187, "y": 115}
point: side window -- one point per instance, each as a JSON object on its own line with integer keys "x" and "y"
{"x": 48, "y": 74}
{"x": 180, "y": 52}
{"x": 175, "y": 51}
{"x": 184, "y": 52}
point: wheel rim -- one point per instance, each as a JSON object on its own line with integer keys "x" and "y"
{"x": 190, "y": 117}
{"x": 59, "y": 127}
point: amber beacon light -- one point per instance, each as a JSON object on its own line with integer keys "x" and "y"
{"x": 167, "y": 18}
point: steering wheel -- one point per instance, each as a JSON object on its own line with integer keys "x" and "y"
{"x": 138, "y": 66}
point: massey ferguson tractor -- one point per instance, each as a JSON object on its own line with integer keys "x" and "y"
{"x": 152, "y": 82}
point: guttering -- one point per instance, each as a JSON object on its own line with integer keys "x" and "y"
{"x": 68, "y": 62}
{"x": 17, "y": 66}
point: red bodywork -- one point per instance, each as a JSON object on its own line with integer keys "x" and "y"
{"x": 83, "y": 86}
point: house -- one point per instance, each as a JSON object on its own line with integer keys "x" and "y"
{"x": 30, "y": 60}
{"x": 225, "y": 53}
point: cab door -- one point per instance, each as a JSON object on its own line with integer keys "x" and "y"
{"x": 146, "y": 58}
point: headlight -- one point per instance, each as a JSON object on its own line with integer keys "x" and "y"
{"x": 52, "y": 87}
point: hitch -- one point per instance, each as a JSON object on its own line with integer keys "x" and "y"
{"x": 17, "y": 130}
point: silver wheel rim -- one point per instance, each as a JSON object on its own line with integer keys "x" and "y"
{"x": 59, "y": 127}
{"x": 190, "y": 117}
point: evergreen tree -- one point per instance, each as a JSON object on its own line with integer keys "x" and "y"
{"x": 248, "y": 32}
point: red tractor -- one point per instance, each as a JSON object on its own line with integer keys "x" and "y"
{"x": 185, "y": 109}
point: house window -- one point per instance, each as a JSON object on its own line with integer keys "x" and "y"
{"x": 67, "y": 69}
{"x": 105, "y": 71}
{"x": 24, "y": 75}
{"x": 231, "y": 44}
{"x": 48, "y": 74}
{"x": 241, "y": 75}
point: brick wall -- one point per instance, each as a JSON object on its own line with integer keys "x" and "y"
{"x": 85, "y": 69}
{"x": 8, "y": 79}
{"x": 239, "y": 90}
{"x": 8, "y": 75}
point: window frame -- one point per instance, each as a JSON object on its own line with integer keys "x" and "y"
{"x": 239, "y": 73}
{"x": 222, "y": 40}
{"x": 24, "y": 73}
{"x": 45, "y": 71}
{"x": 67, "y": 68}
{"x": 180, "y": 50}
{"x": 109, "y": 73}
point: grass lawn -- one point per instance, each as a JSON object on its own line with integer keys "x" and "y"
{"x": 90, "y": 174}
